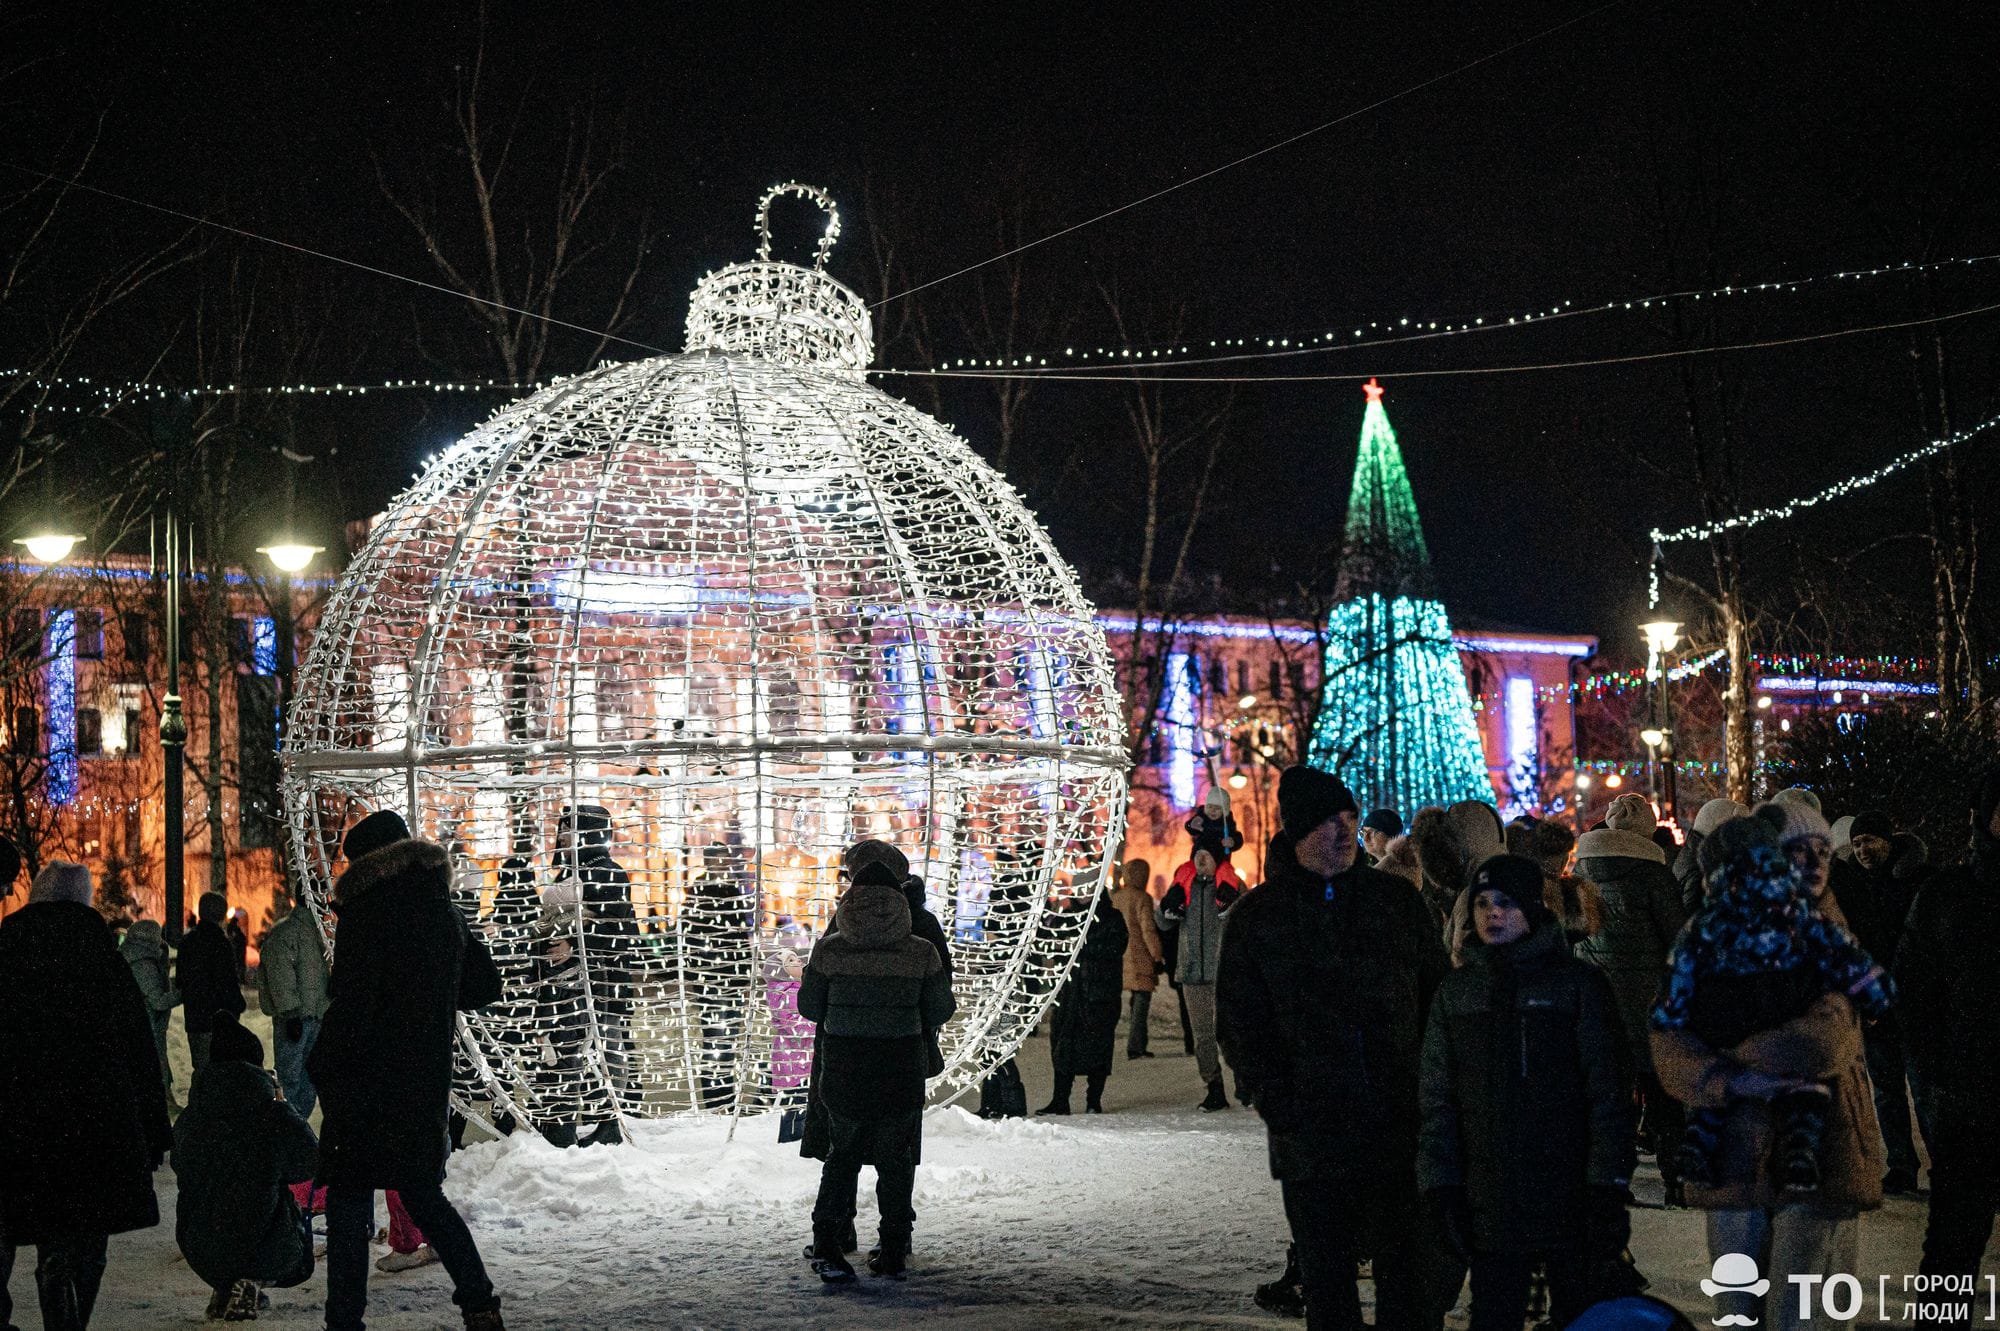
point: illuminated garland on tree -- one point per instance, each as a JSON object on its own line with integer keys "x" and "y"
{"x": 1395, "y": 720}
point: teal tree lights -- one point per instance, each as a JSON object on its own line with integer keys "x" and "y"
{"x": 1395, "y": 720}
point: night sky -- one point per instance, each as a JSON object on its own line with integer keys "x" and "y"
{"x": 1647, "y": 148}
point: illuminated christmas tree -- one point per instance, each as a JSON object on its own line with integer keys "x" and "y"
{"x": 1395, "y": 720}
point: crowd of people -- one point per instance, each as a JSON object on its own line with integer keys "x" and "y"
{"x": 1461, "y": 1033}
{"x": 1459, "y": 1036}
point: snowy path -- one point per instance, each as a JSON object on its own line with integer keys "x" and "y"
{"x": 1152, "y": 1216}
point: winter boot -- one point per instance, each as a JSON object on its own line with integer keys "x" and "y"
{"x": 218, "y": 1305}
{"x": 1093, "y": 1095}
{"x": 1284, "y": 1296}
{"x": 891, "y": 1260}
{"x": 486, "y": 1319}
{"x": 1800, "y": 1120}
{"x": 560, "y": 1135}
{"x": 1216, "y": 1099}
{"x": 844, "y": 1238}
{"x": 607, "y": 1133}
{"x": 1054, "y": 1107}
{"x": 406, "y": 1261}
{"x": 829, "y": 1260}
{"x": 242, "y": 1302}
{"x": 1694, "y": 1159}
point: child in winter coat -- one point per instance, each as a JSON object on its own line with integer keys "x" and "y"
{"x": 237, "y": 1147}
{"x": 1756, "y": 955}
{"x": 791, "y": 1034}
{"x": 1212, "y": 822}
{"x": 1526, "y": 1146}
{"x": 145, "y": 951}
{"x": 568, "y": 1089}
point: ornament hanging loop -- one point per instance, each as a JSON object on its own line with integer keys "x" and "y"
{"x": 811, "y": 193}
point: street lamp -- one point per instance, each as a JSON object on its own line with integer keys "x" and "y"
{"x": 290, "y": 556}
{"x": 49, "y": 547}
{"x": 1662, "y": 636}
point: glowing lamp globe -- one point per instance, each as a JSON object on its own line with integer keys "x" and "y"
{"x": 49, "y": 547}
{"x": 754, "y": 610}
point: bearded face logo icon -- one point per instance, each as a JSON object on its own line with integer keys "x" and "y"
{"x": 1735, "y": 1274}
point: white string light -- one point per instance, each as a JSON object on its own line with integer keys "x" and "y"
{"x": 1389, "y": 332}
{"x": 756, "y": 609}
{"x": 1702, "y": 531}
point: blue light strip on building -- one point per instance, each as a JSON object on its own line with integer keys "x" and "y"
{"x": 61, "y": 709}
{"x": 264, "y": 645}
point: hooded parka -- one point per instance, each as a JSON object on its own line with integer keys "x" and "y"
{"x": 237, "y": 1150}
{"x": 1083, "y": 1030}
{"x": 406, "y": 965}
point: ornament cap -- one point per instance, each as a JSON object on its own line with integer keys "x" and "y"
{"x": 777, "y": 311}
{"x": 1372, "y": 389}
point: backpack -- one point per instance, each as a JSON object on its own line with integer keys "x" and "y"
{"x": 1002, "y": 1095}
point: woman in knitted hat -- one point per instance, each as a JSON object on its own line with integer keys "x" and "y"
{"x": 1643, "y": 914}
{"x": 83, "y": 1115}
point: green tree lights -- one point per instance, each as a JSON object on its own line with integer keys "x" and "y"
{"x": 1396, "y": 721}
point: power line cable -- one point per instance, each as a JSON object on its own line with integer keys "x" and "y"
{"x": 1250, "y": 157}
{"x": 331, "y": 258}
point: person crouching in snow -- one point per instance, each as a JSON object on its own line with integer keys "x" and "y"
{"x": 1204, "y": 889}
{"x": 238, "y": 1146}
{"x": 876, "y": 992}
{"x": 1212, "y": 822}
{"x": 1526, "y": 1147}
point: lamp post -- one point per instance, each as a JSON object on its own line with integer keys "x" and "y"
{"x": 1662, "y": 636}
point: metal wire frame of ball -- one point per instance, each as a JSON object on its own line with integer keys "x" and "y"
{"x": 578, "y": 1047}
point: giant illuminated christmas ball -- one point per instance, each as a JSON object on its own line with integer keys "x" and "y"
{"x": 754, "y": 610}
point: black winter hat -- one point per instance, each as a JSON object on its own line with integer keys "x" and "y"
{"x": 384, "y": 827}
{"x": 1386, "y": 821}
{"x": 1736, "y": 837}
{"x": 590, "y": 822}
{"x": 1308, "y": 797}
{"x": 1520, "y": 878}
{"x": 229, "y": 1041}
{"x": 1214, "y": 845}
{"x": 1872, "y": 822}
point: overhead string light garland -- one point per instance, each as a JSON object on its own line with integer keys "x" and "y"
{"x": 1379, "y": 333}
{"x": 1702, "y": 531}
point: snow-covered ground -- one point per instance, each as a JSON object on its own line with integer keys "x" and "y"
{"x": 1153, "y": 1215}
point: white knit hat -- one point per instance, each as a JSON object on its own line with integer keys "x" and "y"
{"x": 1794, "y": 820}
{"x": 61, "y": 880}
{"x": 1798, "y": 795}
{"x": 1631, "y": 813}
{"x": 1717, "y": 812}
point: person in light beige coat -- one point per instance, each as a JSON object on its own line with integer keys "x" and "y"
{"x": 1145, "y": 958}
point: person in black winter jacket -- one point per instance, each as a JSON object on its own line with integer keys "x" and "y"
{"x": 1083, "y": 1029}
{"x": 1949, "y": 1002}
{"x": 610, "y": 933}
{"x": 1327, "y": 970}
{"x": 568, "y": 1089}
{"x": 405, "y": 964}
{"x": 716, "y": 924}
{"x": 1878, "y": 878}
{"x": 875, "y": 991}
{"x": 206, "y": 975}
{"x": 237, "y": 1149}
{"x": 83, "y": 1116}
{"x": 1526, "y": 1151}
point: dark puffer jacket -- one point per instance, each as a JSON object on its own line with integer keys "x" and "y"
{"x": 1642, "y": 917}
{"x": 1526, "y": 1101}
{"x": 404, "y": 966}
{"x": 1083, "y": 1032}
{"x": 83, "y": 1116}
{"x": 1320, "y": 1008}
{"x": 1948, "y": 996}
{"x": 236, "y": 1148}
{"x": 876, "y": 991}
